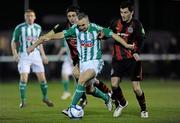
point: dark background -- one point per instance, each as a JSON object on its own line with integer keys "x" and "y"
{"x": 160, "y": 18}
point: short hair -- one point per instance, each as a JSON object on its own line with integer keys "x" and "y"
{"x": 72, "y": 9}
{"x": 29, "y": 10}
{"x": 82, "y": 15}
{"x": 127, "y": 4}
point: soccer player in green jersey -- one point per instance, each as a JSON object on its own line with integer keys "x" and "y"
{"x": 90, "y": 54}
{"x": 23, "y": 37}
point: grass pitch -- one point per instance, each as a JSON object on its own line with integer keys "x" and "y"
{"x": 163, "y": 102}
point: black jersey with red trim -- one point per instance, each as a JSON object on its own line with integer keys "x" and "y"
{"x": 71, "y": 41}
{"x": 132, "y": 32}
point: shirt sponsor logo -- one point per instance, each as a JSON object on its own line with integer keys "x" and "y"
{"x": 86, "y": 43}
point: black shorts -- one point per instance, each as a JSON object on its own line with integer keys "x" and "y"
{"x": 131, "y": 67}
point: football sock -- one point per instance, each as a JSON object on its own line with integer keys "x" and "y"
{"x": 101, "y": 86}
{"x": 22, "y": 90}
{"x": 141, "y": 101}
{"x": 100, "y": 94}
{"x": 66, "y": 85}
{"x": 44, "y": 88}
{"x": 118, "y": 96}
{"x": 77, "y": 94}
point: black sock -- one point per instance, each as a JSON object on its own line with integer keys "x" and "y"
{"x": 141, "y": 101}
{"x": 118, "y": 96}
{"x": 103, "y": 87}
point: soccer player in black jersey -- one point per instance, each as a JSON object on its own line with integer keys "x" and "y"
{"x": 126, "y": 61}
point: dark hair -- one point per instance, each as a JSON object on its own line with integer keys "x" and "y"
{"x": 127, "y": 4}
{"x": 72, "y": 9}
{"x": 29, "y": 10}
{"x": 82, "y": 15}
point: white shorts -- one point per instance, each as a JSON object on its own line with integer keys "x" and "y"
{"x": 97, "y": 65}
{"x": 67, "y": 67}
{"x": 28, "y": 62}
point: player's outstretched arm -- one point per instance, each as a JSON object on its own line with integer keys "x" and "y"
{"x": 122, "y": 41}
{"x": 45, "y": 38}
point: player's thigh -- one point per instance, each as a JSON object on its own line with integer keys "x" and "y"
{"x": 86, "y": 76}
{"x": 24, "y": 66}
{"x": 37, "y": 66}
{"x": 76, "y": 72}
{"x": 95, "y": 65}
{"x": 67, "y": 69}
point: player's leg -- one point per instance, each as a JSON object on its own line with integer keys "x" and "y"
{"x": 101, "y": 86}
{"x": 38, "y": 68}
{"x": 140, "y": 98}
{"x": 76, "y": 73}
{"x": 44, "y": 88}
{"x": 22, "y": 88}
{"x": 136, "y": 77}
{"x": 92, "y": 90}
{"x": 66, "y": 72}
{"x": 120, "y": 101}
{"x": 118, "y": 96}
{"x": 24, "y": 69}
{"x": 80, "y": 89}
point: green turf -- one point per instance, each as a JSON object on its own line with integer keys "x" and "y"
{"x": 163, "y": 100}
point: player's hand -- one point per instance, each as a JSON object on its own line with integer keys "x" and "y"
{"x": 130, "y": 46}
{"x": 16, "y": 57}
{"x": 30, "y": 49}
{"x": 136, "y": 57}
{"x": 45, "y": 59}
{"x": 100, "y": 35}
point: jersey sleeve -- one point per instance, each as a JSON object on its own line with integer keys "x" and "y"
{"x": 139, "y": 36}
{"x": 71, "y": 32}
{"x": 16, "y": 34}
{"x": 107, "y": 32}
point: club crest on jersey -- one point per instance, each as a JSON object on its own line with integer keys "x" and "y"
{"x": 130, "y": 29}
{"x": 31, "y": 38}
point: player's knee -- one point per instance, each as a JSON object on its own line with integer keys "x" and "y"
{"x": 115, "y": 82}
{"x": 137, "y": 91}
{"x": 76, "y": 74}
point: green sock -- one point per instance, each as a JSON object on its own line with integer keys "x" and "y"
{"x": 66, "y": 85}
{"x": 77, "y": 94}
{"x": 100, "y": 94}
{"x": 22, "y": 90}
{"x": 44, "y": 88}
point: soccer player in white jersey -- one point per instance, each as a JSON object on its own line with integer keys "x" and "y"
{"x": 67, "y": 68}
{"x": 23, "y": 37}
{"x": 90, "y": 54}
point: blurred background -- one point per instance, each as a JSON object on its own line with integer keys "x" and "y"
{"x": 160, "y": 18}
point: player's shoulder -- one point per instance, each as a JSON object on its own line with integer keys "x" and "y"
{"x": 37, "y": 25}
{"x": 95, "y": 26}
{"x": 20, "y": 26}
{"x": 137, "y": 22}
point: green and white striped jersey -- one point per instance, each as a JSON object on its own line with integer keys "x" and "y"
{"x": 88, "y": 45}
{"x": 25, "y": 34}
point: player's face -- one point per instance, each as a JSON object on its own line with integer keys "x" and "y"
{"x": 72, "y": 17}
{"x": 83, "y": 24}
{"x": 30, "y": 17}
{"x": 126, "y": 14}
